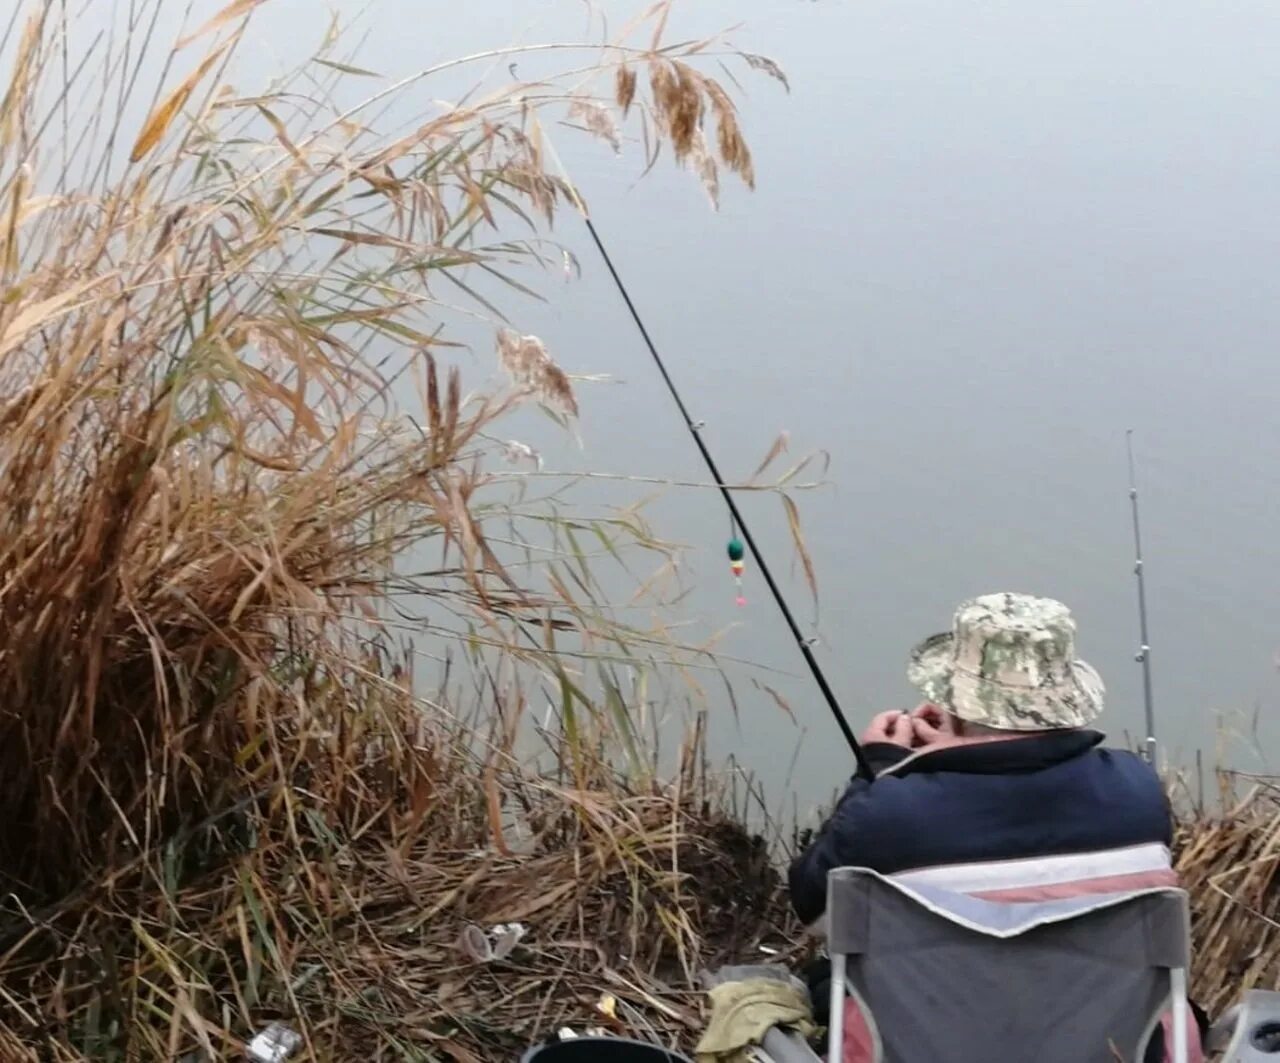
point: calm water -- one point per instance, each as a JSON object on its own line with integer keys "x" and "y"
{"x": 987, "y": 239}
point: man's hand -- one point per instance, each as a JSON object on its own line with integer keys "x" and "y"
{"x": 893, "y": 727}
{"x": 929, "y": 724}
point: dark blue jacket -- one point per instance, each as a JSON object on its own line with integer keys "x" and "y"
{"x": 1042, "y": 795}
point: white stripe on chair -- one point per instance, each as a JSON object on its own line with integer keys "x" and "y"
{"x": 1044, "y": 877}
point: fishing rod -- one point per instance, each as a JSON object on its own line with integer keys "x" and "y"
{"x": 695, "y": 430}
{"x": 1143, "y": 656}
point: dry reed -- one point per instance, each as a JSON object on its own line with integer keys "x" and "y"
{"x": 226, "y": 800}
{"x": 1228, "y": 861}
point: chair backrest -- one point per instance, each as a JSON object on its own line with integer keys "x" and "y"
{"x": 942, "y": 975}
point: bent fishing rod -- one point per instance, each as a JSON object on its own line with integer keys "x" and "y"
{"x": 695, "y": 431}
{"x": 1143, "y": 656}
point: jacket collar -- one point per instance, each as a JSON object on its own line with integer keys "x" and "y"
{"x": 1006, "y": 756}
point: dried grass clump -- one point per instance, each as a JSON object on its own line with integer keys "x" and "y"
{"x": 348, "y": 923}
{"x": 1229, "y": 863}
{"x": 224, "y": 799}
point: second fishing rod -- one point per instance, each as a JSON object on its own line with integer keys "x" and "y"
{"x": 739, "y": 523}
{"x": 1143, "y": 656}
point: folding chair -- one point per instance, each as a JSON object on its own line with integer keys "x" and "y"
{"x": 944, "y": 976}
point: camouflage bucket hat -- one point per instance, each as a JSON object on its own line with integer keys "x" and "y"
{"x": 1009, "y": 662}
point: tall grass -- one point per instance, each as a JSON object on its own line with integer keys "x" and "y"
{"x": 226, "y": 797}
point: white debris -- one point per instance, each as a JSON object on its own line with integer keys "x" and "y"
{"x": 275, "y": 1044}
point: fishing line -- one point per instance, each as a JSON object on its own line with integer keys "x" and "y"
{"x": 741, "y": 540}
{"x": 1143, "y": 656}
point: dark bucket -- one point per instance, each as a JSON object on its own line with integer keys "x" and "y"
{"x": 601, "y": 1050}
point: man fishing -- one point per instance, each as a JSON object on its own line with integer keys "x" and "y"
{"x": 997, "y": 785}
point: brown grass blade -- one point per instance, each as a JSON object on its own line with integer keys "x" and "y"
{"x": 663, "y": 12}
{"x": 802, "y": 549}
{"x": 779, "y": 700}
{"x": 17, "y": 200}
{"x": 158, "y": 122}
{"x": 232, "y": 11}
{"x": 493, "y": 807}
{"x": 43, "y": 314}
{"x": 16, "y": 97}
{"x": 780, "y": 446}
{"x": 282, "y": 134}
